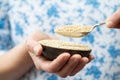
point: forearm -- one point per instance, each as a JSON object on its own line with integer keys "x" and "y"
{"x": 15, "y": 63}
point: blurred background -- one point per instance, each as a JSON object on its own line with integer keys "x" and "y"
{"x": 18, "y": 18}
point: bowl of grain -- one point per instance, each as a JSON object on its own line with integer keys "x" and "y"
{"x": 53, "y": 48}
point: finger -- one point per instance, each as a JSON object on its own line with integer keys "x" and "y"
{"x": 69, "y": 67}
{"x": 91, "y": 57}
{"x": 55, "y": 65}
{"x": 34, "y": 47}
{"x": 114, "y": 20}
{"x": 80, "y": 66}
{"x": 118, "y": 26}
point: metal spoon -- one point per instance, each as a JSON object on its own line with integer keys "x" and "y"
{"x": 96, "y": 25}
{"x": 76, "y": 31}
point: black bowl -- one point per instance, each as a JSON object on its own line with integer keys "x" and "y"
{"x": 51, "y": 52}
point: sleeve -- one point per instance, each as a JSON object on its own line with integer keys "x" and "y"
{"x": 5, "y": 36}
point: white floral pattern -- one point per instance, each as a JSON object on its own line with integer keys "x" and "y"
{"x": 19, "y": 17}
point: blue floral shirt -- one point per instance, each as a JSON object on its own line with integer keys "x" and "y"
{"x": 18, "y": 18}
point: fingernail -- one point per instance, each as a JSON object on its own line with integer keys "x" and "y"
{"x": 36, "y": 49}
{"x": 109, "y": 24}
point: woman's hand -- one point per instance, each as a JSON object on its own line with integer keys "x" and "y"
{"x": 64, "y": 65}
{"x": 114, "y": 20}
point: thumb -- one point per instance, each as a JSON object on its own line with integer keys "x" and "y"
{"x": 34, "y": 47}
{"x": 114, "y": 20}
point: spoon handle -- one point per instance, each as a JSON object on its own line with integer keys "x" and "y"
{"x": 99, "y": 24}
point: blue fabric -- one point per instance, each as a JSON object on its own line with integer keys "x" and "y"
{"x": 5, "y": 34}
{"x": 19, "y": 17}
